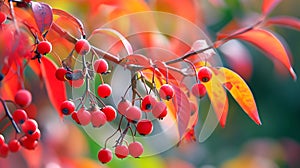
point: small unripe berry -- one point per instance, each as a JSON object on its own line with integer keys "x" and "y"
{"x": 44, "y": 47}
{"x": 105, "y": 155}
{"x": 147, "y": 103}
{"x": 144, "y": 127}
{"x": 60, "y": 74}
{"x": 101, "y": 66}
{"x": 98, "y": 118}
{"x": 4, "y": 150}
{"x": 23, "y": 98}
{"x": 104, "y": 90}
{"x": 159, "y": 110}
{"x": 67, "y": 107}
{"x": 121, "y": 151}
{"x": 133, "y": 114}
{"x": 123, "y": 105}
{"x": 19, "y": 116}
{"x": 2, "y": 17}
{"x": 135, "y": 149}
{"x": 166, "y": 92}
{"x": 28, "y": 143}
{"x": 110, "y": 113}
{"x": 204, "y": 74}
{"x": 14, "y": 145}
{"x": 82, "y": 47}
{"x": 29, "y": 126}
{"x": 84, "y": 117}
{"x": 199, "y": 90}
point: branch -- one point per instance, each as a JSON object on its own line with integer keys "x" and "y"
{"x": 10, "y": 116}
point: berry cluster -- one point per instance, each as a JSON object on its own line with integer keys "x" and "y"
{"x": 27, "y": 133}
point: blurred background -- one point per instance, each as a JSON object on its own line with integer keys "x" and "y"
{"x": 276, "y": 143}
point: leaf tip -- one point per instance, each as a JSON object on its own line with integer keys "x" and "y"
{"x": 293, "y": 73}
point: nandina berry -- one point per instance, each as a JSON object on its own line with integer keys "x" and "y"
{"x": 104, "y": 90}
{"x": 84, "y": 116}
{"x": 19, "y": 116}
{"x": 35, "y": 136}
{"x": 166, "y": 92}
{"x": 29, "y": 126}
{"x": 199, "y": 90}
{"x": 144, "y": 127}
{"x": 159, "y": 110}
{"x": 133, "y": 114}
{"x": 105, "y": 155}
{"x": 204, "y": 74}
{"x": 60, "y": 74}
{"x": 67, "y": 107}
{"x": 82, "y": 47}
{"x": 110, "y": 113}
{"x": 2, "y": 17}
{"x": 123, "y": 105}
{"x": 75, "y": 118}
{"x": 135, "y": 149}
{"x": 76, "y": 83}
{"x": 4, "y": 150}
{"x": 147, "y": 103}
{"x": 23, "y": 98}
{"x": 121, "y": 151}
{"x": 101, "y": 66}
{"x": 14, "y": 145}
{"x": 98, "y": 118}
{"x": 28, "y": 143}
{"x": 44, "y": 47}
{"x": 2, "y": 140}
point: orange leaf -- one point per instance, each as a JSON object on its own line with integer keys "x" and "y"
{"x": 56, "y": 89}
{"x": 268, "y": 6}
{"x": 240, "y": 92}
{"x": 218, "y": 98}
{"x": 268, "y": 43}
{"x": 287, "y": 21}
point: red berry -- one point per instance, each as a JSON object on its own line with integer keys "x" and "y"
{"x": 199, "y": 90}
{"x": 60, "y": 74}
{"x": 135, "y": 149}
{"x": 121, "y": 151}
{"x": 101, "y": 66}
{"x": 110, "y": 113}
{"x": 123, "y": 105}
{"x": 67, "y": 107}
{"x": 104, "y": 90}
{"x": 2, "y": 17}
{"x": 75, "y": 118}
{"x": 2, "y": 140}
{"x": 4, "y": 150}
{"x": 147, "y": 103}
{"x": 144, "y": 127}
{"x": 105, "y": 155}
{"x": 23, "y": 98}
{"x": 82, "y": 47}
{"x": 159, "y": 110}
{"x": 44, "y": 47}
{"x": 14, "y": 145}
{"x": 166, "y": 92}
{"x": 204, "y": 74}
{"x": 29, "y": 126}
{"x": 76, "y": 83}
{"x": 98, "y": 118}
{"x": 84, "y": 117}
{"x": 35, "y": 136}
{"x": 133, "y": 114}
{"x": 19, "y": 116}
{"x": 28, "y": 143}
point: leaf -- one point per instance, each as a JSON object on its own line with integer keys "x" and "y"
{"x": 240, "y": 92}
{"x": 183, "y": 110}
{"x": 115, "y": 33}
{"x": 43, "y": 16}
{"x": 287, "y": 21}
{"x": 269, "y": 5}
{"x": 56, "y": 89}
{"x": 218, "y": 98}
{"x": 71, "y": 18}
{"x": 137, "y": 59}
{"x": 270, "y": 44}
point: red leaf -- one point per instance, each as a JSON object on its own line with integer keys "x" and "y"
{"x": 268, "y": 6}
{"x": 56, "y": 89}
{"x": 43, "y": 16}
{"x": 270, "y": 44}
{"x": 288, "y": 21}
{"x": 137, "y": 59}
{"x": 183, "y": 110}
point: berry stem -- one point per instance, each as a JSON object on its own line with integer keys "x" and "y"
{"x": 7, "y": 112}
{"x": 194, "y": 69}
